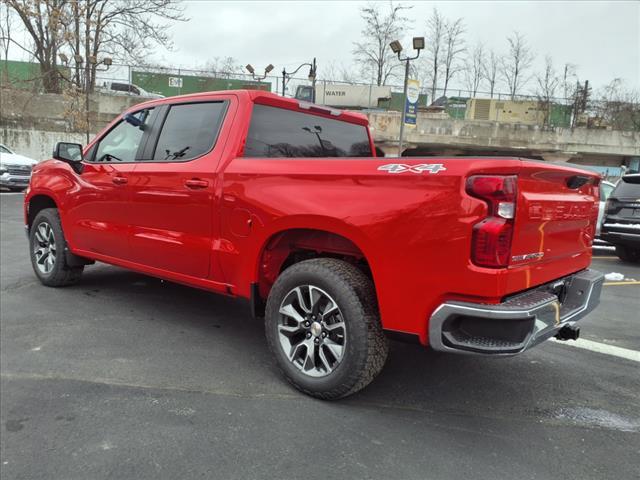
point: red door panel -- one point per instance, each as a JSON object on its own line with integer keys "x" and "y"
{"x": 172, "y": 217}
{"x": 98, "y": 213}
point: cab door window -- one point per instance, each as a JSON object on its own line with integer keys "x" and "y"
{"x": 189, "y": 131}
{"x": 122, "y": 142}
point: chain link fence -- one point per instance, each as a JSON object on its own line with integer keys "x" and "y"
{"x": 456, "y": 103}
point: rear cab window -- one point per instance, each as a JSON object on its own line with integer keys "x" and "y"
{"x": 278, "y": 132}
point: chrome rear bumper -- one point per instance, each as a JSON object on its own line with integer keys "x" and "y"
{"x": 519, "y": 323}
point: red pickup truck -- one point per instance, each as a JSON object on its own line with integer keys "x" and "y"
{"x": 285, "y": 203}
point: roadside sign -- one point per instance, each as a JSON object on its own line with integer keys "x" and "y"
{"x": 175, "y": 82}
{"x": 411, "y": 104}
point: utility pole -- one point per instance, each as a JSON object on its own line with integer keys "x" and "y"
{"x": 404, "y": 104}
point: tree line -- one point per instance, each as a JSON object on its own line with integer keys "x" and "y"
{"x": 81, "y": 34}
{"x": 450, "y": 58}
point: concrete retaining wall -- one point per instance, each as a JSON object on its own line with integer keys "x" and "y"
{"x": 31, "y": 124}
{"x": 37, "y": 144}
{"x": 474, "y": 133}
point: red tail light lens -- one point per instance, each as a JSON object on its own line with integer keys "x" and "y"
{"x": 491, "y": 242}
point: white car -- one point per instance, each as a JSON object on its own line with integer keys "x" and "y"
{"x": 15, "y": 170}
{"x": 123, "y": 88}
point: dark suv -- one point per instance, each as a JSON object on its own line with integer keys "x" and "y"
{"x": 621, "y": 224}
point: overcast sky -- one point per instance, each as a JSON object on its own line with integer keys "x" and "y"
{"x": 601, "y": 38}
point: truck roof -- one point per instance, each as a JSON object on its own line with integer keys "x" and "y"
{"x": 275, "y": 100}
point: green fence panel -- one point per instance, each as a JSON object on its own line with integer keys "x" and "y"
{"x": 173, "y": 84}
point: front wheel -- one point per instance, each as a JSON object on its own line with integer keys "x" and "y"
{"x": 47, "y": 247}
{"x": 323, "y": 327}
{"x": 628, "y": 254}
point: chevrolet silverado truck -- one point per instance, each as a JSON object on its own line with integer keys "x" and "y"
{"x": 285, "y": 203}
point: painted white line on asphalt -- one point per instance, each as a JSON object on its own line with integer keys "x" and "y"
{"x": 602, "y": 348}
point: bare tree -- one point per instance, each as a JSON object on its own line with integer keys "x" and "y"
{"x": 453, "y": 50}
{"x": 619, "y": 106}
{"x": 380, "y": 29}
{"x": 125, "y": 30}
{"x": 337, "y": 72}
{"x": 474, "y": 69}
{"x": 436, "y": 29}
{"x": 223, "y": 67}
{"x": 490, "y": 70}
{"x": 44, "y": 22}
{"x": 6, "y": 22}
{"x": 546, "y": 85}
{"x": 568, "y": 81}
{"x": 515, "y": 64}
{"x": 89, "y": 29}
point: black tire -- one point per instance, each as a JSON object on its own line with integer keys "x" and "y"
{"x": 628, "y": 254}
{"x": 365, "y": 348}
{"x": 60, "y": 274}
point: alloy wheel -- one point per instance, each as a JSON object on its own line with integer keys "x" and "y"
{"x": 312, "y": 331}
{"x": 44, "y": 248}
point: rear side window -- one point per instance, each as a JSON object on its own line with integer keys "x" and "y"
{"x": 189, "y": 130}
{"x": 276, "y": 132}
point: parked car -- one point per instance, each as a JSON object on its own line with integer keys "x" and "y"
{"x": 15, "y": 170}
{"x": 124, "y": 88}
{"x": 605, "y": 190}
{"x": 621, "y": 224}
{"x": 284, "y": 203}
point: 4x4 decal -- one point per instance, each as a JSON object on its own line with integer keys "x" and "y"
{"x": 423, "y": 167}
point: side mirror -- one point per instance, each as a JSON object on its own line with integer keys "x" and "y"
{"x": 68, "y": 152}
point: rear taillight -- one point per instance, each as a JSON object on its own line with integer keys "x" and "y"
{"x": 491, "y": 242}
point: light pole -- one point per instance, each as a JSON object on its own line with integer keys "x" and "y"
{"x": 312, "y": 77}
{"x": 396, "y": 47}
{"x": 259, "y": 78}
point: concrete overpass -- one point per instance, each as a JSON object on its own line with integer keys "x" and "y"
{"x": 435, "y": 135}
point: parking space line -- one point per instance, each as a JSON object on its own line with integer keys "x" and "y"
{"x": 631, "y": 282}
{"x": 604, "y": 348}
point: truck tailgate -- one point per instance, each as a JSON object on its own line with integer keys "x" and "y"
{"x": 556, "y": 213}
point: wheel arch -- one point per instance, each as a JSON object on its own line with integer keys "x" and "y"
{"x": 36, "y": 204}
{"x": 288, "y": 246}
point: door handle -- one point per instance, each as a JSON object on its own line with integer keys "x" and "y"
{"x": 196, "y": 183}
{"x": 120, "y": 180}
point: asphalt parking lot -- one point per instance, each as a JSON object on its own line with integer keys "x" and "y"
{"x": 126, "y": 376}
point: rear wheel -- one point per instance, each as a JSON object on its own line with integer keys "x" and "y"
{"x": 48, "y": 249}
{"x": 628, "y": 254}
{"x": 323, "y": 327}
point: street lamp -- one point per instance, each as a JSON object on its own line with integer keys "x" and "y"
{"x": 396, "y": 47}
{"x": 312, "y": 77}
{"x": 258, "y": 78}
